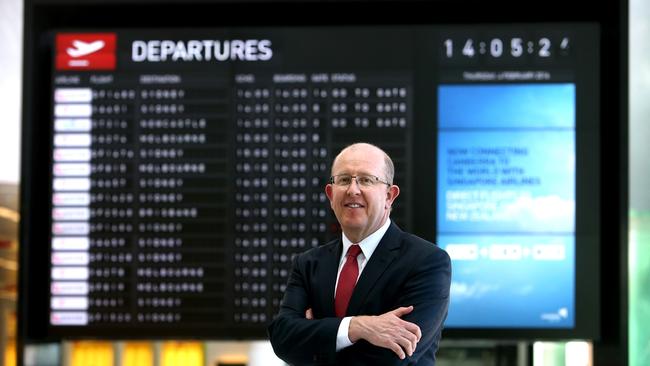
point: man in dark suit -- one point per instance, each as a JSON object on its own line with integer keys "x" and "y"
{"x": 377, "y": 295}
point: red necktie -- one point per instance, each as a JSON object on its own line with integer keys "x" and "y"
{"x": 347, "y": 280}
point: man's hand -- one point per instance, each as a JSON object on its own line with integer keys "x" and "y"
{"x": 387, "y": 331}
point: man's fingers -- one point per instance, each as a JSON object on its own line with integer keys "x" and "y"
{"x": 400, "y": 312}
{"x": 388, "y": 331}
{"x": 412, "y": 338}
{"x": 407, "y": 345}
{"x": 413, "y": 328}
{"x": 401, "y": 345}
{"x": 398, "y": 350}
{"x": 412, "y": 341}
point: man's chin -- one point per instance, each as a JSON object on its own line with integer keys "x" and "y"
{"x": 353, "y": 225}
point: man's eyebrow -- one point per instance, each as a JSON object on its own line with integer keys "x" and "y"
{"x": 358, "y": 173}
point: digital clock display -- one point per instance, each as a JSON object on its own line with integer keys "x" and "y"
{"x": 515, "y": 47}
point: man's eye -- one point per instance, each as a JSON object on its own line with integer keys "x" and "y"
{"x": 366, "y": 181}
{"x": 345, "y": 180}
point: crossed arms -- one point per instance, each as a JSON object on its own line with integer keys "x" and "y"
{"x": 405, "y": 330}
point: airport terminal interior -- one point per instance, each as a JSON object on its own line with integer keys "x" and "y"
{"x": 159, "y": 175}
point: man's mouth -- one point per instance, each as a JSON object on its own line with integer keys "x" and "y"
{"x": 353, "y": 205}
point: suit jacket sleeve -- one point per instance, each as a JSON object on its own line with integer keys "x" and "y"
{"x": 427, "y": 289}
{"x": 298, "y": 340}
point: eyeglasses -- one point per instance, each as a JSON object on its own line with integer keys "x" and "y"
{"x": 364, "y": 180}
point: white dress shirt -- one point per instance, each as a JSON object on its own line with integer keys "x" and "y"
{"x": 368, "y": 246}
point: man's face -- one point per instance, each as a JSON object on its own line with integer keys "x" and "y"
{"x": 361, "y": 210}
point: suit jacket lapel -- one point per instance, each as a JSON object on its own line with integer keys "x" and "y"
{"x": 330, "y": 266}
{"x": 383, "y": 256}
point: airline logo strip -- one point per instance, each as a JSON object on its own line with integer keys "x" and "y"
{"x": 86, "y": 51}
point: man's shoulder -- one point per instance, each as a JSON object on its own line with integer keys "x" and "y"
{"x": 420, "y": 246}
{"x": 317, "y": 252}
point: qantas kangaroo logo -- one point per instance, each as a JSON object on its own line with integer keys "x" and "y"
{"x": 86, "y": 51}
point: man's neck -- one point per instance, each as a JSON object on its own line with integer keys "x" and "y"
{"x": 358, "y": 237}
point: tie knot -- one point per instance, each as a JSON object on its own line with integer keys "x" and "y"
{"x": 354, "y": 251}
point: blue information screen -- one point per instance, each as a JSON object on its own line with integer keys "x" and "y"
{"x": 506, "y": 202}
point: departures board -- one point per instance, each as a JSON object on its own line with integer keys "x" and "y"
{"x": 188, "y": 166}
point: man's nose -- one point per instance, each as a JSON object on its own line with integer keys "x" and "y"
{"x": 354, "y": 188}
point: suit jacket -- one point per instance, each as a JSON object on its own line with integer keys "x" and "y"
{"x": 404, "y": 270}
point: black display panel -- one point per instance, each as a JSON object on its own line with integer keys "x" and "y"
{"x": 189, "y": 166}
{"x": 178, "y": 168}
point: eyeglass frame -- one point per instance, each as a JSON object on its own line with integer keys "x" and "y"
{"x": 375, "y": 180}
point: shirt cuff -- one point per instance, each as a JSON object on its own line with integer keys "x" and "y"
{"x": 342, "y": 340}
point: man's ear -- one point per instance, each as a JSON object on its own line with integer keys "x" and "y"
{"x": 328, "y": 191}
{"x": 391, "y": 194}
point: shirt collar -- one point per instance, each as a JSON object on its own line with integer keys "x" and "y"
{"x": 369, "y": 244}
